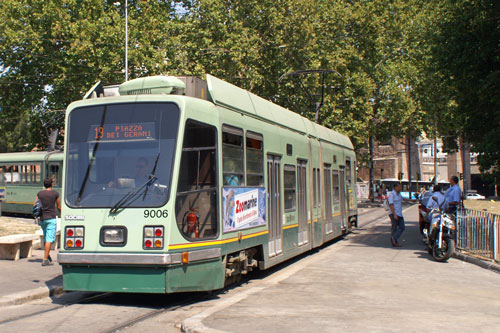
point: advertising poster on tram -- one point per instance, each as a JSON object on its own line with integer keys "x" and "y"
{"x": 243, "y": 207}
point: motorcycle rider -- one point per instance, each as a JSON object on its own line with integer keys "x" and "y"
{"x": 431, "y": 204}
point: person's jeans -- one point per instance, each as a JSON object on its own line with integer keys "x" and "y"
{"x": 397, "y": 227}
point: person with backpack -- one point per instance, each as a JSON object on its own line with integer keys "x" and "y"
{"x": 395, "y": 203}
{"x": 49, "y": 199}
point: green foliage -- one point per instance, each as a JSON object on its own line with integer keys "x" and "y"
{"x": 463, "y": 75}
{"x": 53, "y": 51}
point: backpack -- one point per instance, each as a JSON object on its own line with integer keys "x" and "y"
{"x": 37, "y": 209}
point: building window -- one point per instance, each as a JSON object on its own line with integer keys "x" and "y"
{"x": 290, "y": 187}
{"x": 197, "y": 185}
{"x": 255, "y": 159}
{"x": 232, "y": 156}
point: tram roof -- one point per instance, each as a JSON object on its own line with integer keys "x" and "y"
{"x": 35, "y": 156}
{"x": 225, "y": 94}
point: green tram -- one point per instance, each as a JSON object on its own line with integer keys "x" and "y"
{"x": 22, "y": 175}
{"x": 180, "y": 184}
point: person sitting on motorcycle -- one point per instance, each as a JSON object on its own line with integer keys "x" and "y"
{"x": 431, "y": 204}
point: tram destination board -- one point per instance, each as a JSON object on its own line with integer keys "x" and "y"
{"x": 122, "y": 132}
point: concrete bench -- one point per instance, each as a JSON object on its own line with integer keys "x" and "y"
{"x": 56, "y": 245}
{"x": 14, "y": 247}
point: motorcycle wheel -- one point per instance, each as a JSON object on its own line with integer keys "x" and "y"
{"x": 444, "y": 253}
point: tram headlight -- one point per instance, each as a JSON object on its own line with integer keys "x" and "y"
{"x": 113, "y": 236}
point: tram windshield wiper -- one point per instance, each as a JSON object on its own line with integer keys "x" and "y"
{"x": 132, "y": 195}
{"x": 151, "y": 175}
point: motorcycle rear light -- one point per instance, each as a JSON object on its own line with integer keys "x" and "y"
{"x": 74, "y": 237}
{"x": 153, "y": 237}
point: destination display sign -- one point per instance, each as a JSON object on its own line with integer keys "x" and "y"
{"x": 122, "y": 132}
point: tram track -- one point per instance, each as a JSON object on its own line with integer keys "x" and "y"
{"x": 156, "y": 312}
{"x": 59, "y": 307}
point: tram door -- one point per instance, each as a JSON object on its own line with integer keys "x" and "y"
{"x": 274, "y": 204}
{"x": 343, "y": 197}
{"x": 302, "y": 201}
{"x": 328, "y": 198}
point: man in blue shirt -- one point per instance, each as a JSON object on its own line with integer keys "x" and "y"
{"x": 395, "y": 201}
{"x": 453, "y": 195}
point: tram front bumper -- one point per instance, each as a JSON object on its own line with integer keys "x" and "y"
{"x": 142, "y": 273}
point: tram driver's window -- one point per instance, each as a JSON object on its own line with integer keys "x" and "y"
{"x": 196, "y": 201}
{"x": 290, "y": 187}
{"x": 232, "y": 156}
{"x": 255, "y": 159}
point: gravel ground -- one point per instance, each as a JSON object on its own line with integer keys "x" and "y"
{"x": 12, "y": 226}
{"x": 490, "y": 206}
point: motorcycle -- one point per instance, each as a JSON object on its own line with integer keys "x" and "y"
{"x": 441, "y": 241}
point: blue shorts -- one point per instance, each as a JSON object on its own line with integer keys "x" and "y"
{"x": 49, "y": 230}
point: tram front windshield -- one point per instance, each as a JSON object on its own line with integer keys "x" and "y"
{"x": 121, "y": 154}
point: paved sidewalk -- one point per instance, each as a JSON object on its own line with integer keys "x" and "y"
{"x": 25, "y": 279}
{"x": 363, "y": 284}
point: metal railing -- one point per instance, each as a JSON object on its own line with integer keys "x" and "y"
{"x": 478, "y": 232}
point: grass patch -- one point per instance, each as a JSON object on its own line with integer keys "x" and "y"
{"x": 11, "y": 226}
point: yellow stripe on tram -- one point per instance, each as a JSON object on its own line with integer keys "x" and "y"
{"x": 214, "y": 242}
{"x": 291, "y": 226}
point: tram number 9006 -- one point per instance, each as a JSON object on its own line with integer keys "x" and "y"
{"x": 155, "y": 213}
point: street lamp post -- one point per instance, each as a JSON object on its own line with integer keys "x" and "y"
{"x": 126, "y": 40}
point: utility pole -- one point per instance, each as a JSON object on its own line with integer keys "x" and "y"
{"x": 126, "y": 40}
{"x": 409, "y": 167}
{"x": 435, "y": 151}
{"x": 372, "y": 189}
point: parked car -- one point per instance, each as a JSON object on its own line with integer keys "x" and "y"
{"x": 474, "y": 196}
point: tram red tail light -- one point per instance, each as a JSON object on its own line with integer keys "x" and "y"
{"x": 153, "y": 237}
{"x": 74, "y": 237}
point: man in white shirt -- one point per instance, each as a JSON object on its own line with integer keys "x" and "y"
{"x": 395, "y": 201}
{"x": 441, "y": 203}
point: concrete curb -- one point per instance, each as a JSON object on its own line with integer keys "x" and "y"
{"x": 30, "y": 295}
{"x": 478, "y": 262}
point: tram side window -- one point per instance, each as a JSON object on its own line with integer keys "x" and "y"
{"x": 232, "y": 156}
{"x": 335, "y": 186}
{"x": 21, "y": 174}
{"x": 315, "y": 193}
{"x": 54, "y": 174}
{"x": 255, "y": 159}
{"x": 197, "y": 185}
{"x": 290, "y": 187}
{"x": 348, "y": 172}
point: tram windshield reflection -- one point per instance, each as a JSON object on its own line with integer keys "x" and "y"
{"x": 113, "y": 149}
